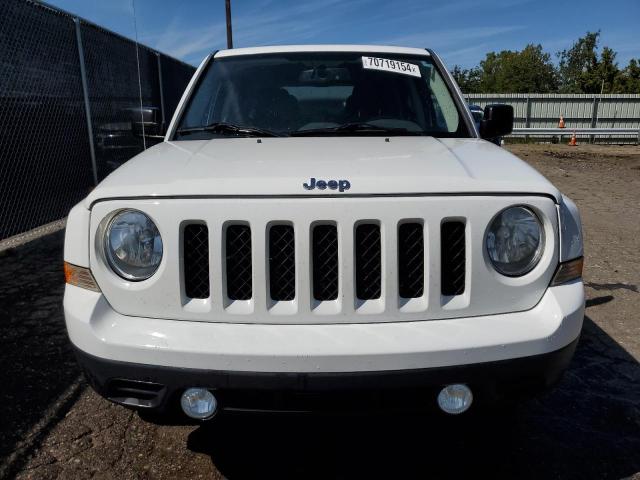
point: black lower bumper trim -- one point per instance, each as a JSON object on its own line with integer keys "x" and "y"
{"x": 158, "y": 387}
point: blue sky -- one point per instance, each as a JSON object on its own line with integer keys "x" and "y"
{"x": 462, "y": 31}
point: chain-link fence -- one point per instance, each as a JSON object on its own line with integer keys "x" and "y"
{"x": 70, "y": 109}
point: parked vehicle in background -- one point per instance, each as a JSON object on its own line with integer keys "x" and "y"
{"x": 478, "y": 114}
{"x": 324, "y": 227}
{"x": 126, "y": 135}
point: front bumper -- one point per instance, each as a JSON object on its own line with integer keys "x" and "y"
{"x": 159, "y": 388}
{"x": 530, "y": 347}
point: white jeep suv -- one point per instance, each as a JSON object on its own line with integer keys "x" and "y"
{"x": 324, "y": 227}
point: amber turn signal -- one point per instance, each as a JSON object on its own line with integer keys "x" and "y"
{"x": 80, "y": 277}
{"x": 568, "y": 271}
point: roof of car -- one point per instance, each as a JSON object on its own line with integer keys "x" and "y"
{"x": 321, "y": 48}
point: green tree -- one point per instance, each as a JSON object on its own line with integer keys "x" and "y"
{"x": 583, "y": 70}
{"x": 467, "y": 78}
{"x": 628, "y": 80}
{"x": 525, "y": 71}
{"x": 605, "y": 72}
{"x": 577, "y": 63}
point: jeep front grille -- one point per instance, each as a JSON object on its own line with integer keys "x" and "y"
{"x": 324, "y": 257}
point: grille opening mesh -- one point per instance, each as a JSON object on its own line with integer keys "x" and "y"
{"x": 196, "y": 261}
{"x": 453, "y": 257}
{"x": 410, "y": 260}
{"x": 239, "y": 271}
{"x": 368, "y": 261}
{"x": 282, "y": 263}
{"x": 324, "y": 246}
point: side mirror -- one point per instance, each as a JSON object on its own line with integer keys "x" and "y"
{"x": 497, "y": 121}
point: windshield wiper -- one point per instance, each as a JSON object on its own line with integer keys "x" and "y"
{"x": 223, "y": 127}
{"x": 355, "y": 127}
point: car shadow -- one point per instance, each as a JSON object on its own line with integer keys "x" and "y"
{"x": 39, "y": 378}
{"x": 587, "y": 427}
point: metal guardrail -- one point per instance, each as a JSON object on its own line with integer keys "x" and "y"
{"x": 582, "y": 131}
{"x": 578, "y": 131}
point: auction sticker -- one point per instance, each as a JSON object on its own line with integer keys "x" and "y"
{"x": 388, "y": 65}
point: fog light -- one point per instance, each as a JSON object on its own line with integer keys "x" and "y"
{"x": 199, "y": 403}
{"x": 455, "y": 399}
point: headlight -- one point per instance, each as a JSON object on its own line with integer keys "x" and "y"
{"x": 515, "y": 241}
{"x": 133, "y": 246}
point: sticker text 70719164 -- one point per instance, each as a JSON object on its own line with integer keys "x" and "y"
{"x": 389, "y": 65}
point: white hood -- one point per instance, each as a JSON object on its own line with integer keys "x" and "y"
{"x": 280, "y": 166}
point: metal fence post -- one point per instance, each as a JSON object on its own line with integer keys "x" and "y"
{"x": 87, "y": 106}
{"x": 594, "y": 116}
{"x": 527, "y": 118}
{"x": 159, "y": 58}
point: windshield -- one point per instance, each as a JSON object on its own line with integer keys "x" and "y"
{"x": 321, "y": 93}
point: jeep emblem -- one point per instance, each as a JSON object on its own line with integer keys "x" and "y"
{"x": 340, "y": 185}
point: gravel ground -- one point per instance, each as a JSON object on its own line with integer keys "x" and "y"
{"x": 54, "y": 426}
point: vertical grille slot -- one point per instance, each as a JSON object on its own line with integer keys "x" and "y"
{"x": 282, "y": 263}
{"x": 453, "y": 257}
{"x": 238, "y": 253}
{"x": 324, "y": 245}
{"x": 368, "y": 261}
{"x": 410, "y": 260}
{"x": 196, "y": 260}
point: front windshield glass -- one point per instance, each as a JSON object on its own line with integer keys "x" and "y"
{"x": 321, "y": 93}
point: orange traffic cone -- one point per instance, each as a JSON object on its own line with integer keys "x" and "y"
{"x": 561, "y": 122}
{"x": 574, "y": 141}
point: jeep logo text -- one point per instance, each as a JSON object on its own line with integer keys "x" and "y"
{"x": 340, "y": 185}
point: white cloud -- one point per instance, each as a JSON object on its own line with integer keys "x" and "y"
{"x": 263, "y": 26}
{"x": 463, "y": 6}
{"x": 307, "y": 21}
{"x": 183, "y": 43}
{"x": 450, "y": 37}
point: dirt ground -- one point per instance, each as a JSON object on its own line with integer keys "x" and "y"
{"x": 53, "y": 426}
